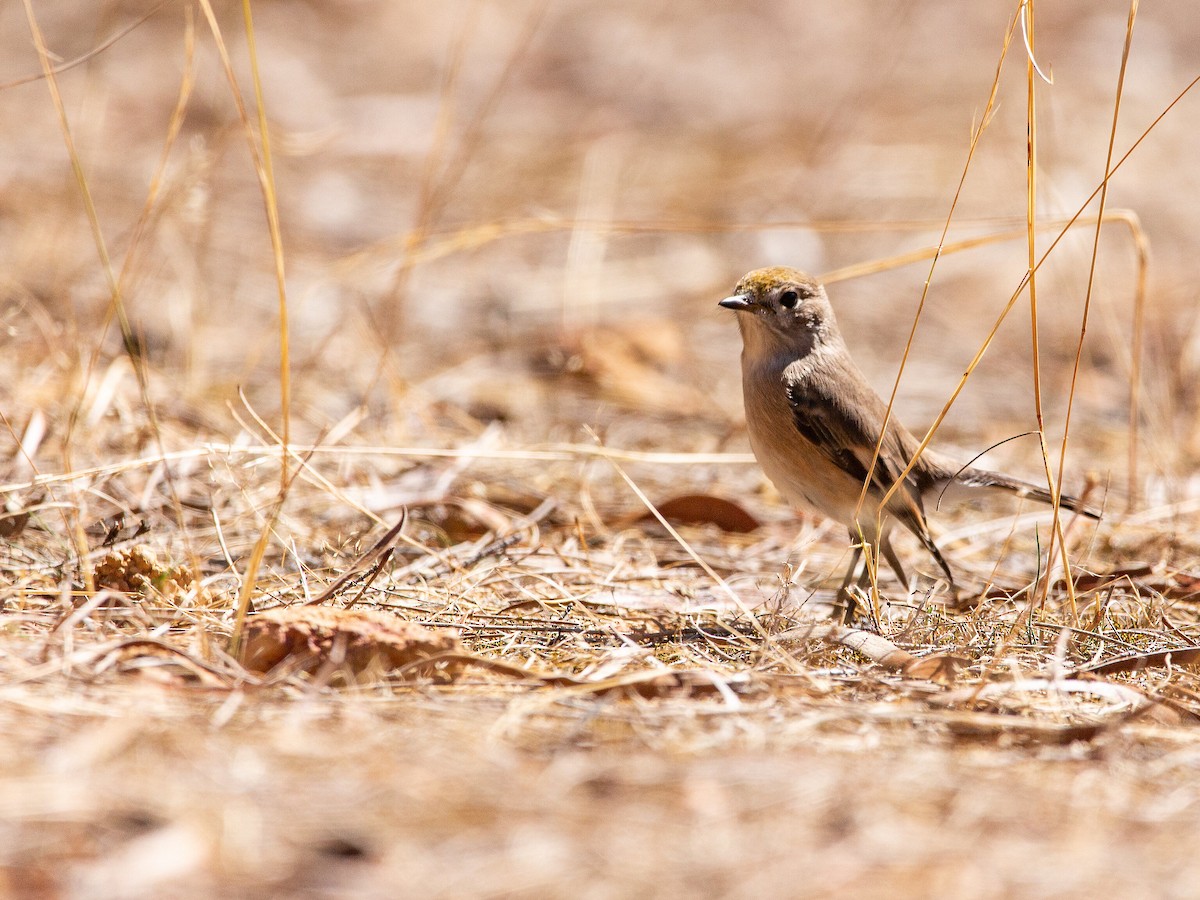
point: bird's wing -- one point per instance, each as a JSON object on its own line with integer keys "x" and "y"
{"x": 846, "y": 434}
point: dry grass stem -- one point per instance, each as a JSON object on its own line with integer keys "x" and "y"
{"x": 404, "y": 530}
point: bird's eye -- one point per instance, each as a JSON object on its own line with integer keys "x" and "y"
{"x": 789, "y": 299}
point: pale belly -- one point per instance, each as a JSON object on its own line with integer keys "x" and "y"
{"x": 803, "y": 475}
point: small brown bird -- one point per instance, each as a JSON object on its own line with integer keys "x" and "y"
{"x": 814, "y": 422}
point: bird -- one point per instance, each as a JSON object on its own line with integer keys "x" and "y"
{"x": 814, "y": 423}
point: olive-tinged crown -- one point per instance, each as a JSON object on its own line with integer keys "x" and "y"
{"x": 763, "y": 281}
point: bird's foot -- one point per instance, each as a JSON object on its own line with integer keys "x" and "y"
{"x": 846, "y": 605}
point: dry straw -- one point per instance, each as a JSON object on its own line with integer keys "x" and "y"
{"x": 559, "y": 623}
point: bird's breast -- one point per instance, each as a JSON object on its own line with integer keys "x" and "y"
{"x": 803, "y": 474}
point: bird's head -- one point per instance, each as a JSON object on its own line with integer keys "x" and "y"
{"x": 782, "y": 308}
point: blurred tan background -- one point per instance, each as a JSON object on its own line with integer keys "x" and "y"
{"x": 505, "y": 220}
{"x": 448, "y": 174}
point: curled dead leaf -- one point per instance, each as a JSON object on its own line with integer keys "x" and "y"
{"x": 1152, "y": 659}
{"x": 1174, "y": 585}
{"x": 941, "y": 668}
{"x": 1186, "y": 587}
{"x": 705, "y": 509}
{"x": 460, "y": 519}
{"x": 309, "y": 637}
{"x": 1091, "y": 581}
{"x": 697, "y": 509}
{"x": 13, "y": 523}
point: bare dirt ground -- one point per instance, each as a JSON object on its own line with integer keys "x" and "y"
{"x": 505, "y": 227}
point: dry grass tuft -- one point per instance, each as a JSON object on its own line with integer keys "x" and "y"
{"x": 478, "y": 591}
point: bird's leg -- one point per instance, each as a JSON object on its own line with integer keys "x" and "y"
{"x": 889, "y": 553}
{"x": 844, "y": 593}
{"x": 868, "y": 577}
{"x": 937, "y": 555}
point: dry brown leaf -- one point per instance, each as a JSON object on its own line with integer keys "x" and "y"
{"x": 1090, "y": 581}
{"x": 308, "y": 637}
{"x": 1186, "y": 587}
{"x": 461, "y": 518}
{"x": 13, "y": 523}
{"x": 989, "y": 726}
{"x": 1173, "y": 585}
{"x": 1154, "y": 659}
{"x": 705, "y": 509}
{"x": 941, "y": 668}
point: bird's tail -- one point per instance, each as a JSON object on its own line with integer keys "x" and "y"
{"x": 972, "y": 477}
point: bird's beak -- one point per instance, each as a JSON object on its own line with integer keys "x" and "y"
{"x": 737, "y": 302}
